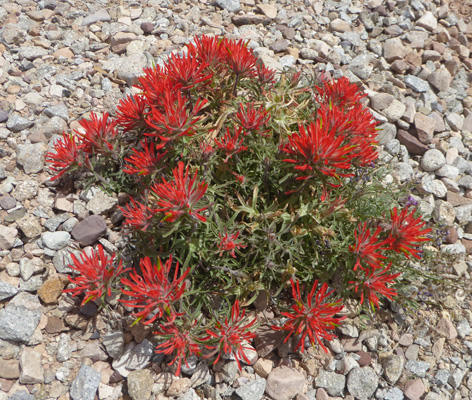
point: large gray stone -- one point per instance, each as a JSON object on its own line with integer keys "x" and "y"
{"x": 362, "y": 382}
{"x": 55, "y": 240}
{"x": 229, "y": 5}
{"x": 135, "y": 356}
{"x": 17, "y": 123}
{"x": 253, "y": 390}
{"x": 7, "y": 290}
{"x": 85, "y": 385}
{"x": 31, "y": 157}
{"x": 332, "y": 382}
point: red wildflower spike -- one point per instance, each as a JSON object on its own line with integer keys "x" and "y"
{"x": 138, "y": 216}
{"x": 231, "y": 336}
{"x": 131, "y": 113}
{"x": 154, "y": 83}
{"x": 374, "y": 283}
{"x": 186, "y": 70}
{"x": 369, "y": 247}
{"x": 67, "y": 155}
{"x": 173, "y": 118}
{"x": 179, "y": 197}
{"x": 99, "y": 135}
{"x": 251, "y": 119}
{"x": 227, "y": 243}
{"x": 153, "y": 291}
{"x": 264, "y": 75}
{"x": 239, "y": 58}
{"x": 97, "y": 274}
{"x": 230, "y": 143}
{"x": 208, "y": 49}
{"x": 313, "y": 318}
{"x": 341, "y": 93}
{"x": 318, "y": 150}
{"x": 406, "y": 232}
{"x": 144, "y": 162}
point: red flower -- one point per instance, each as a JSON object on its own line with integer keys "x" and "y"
{"x": 99, "y": 134}
{"x": 67, "y": 155}
{"x": 182, "y": 343}
{"x": 172, "y": 118}
{"x": 131, "y": 113}
{"x": 319, "y": 150}
{"x": 374, "y": 283}
{"x": 138, "y": 216}
{"x": 207, "y": 49}
{"x": 186, "y": 70}
{"x": 341, "y": 93}
{"x": 369, "y": 247}
{"x": 97, "y": 274}
{"x": 231, "y": 336}
{"x": 153, "y": 291}
{"x": 227, "y": 243}
{"x": 179, "y": 197}
{"x": 314, "y": 318}
{"x": 155, "y": 84}
{"x": 239, "y": 58}
{"x": 230, "y": 143}
{"x": 251, "y": 119}
{"x": 406, "y": 232}
{"x": 146, "y": 161}
{"x": 264, "y": 74}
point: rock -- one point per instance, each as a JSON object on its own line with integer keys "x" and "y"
{"x": 394, "y": 111}
{"x": 417, "y": 84}
{"x": 419, "y": 368}
{"x": 455, "y": 121}
{"x": 414, "y": 389}
{"x": 393, "y": 368}
{"x": 413, "y": 145}
{"x": 64, "y": 348}
{"x": 16, "y": 123}
{"x": 424, "y": 127}
{"x": 200, "y": 375}
{"x": 253, "y": 390}
{"x": 20, "y": 317}
{"x": 31, "y": 368}
{"x": 332, "y": 382}
{"x": 267, "y": 339}
{"x": 101, "y": 203}
{"x": 394, "y": 394}
{"x": 89, "y": 230}
{"x": 135, "y": 356}
{"x": 51, "y": 290}
{"x": 283, "y": 383}
{"x": 444, "y": 213}
{"x": 100, "y": 15}
{"x": 455, "y": 379}
{"x": 127, "y": 68}
{"x": 362, "y": 382}
{"x": 381, "y": 101}
{"x": 178, "y": 387}
{"x": 432, "y": 160}
{"x": 263, "y": 367}
{"x": 393, "y": 49}
{"x": 93, "y": 351}
{"x": 339, "y": 25}
{"x": 279, "y": 46}
{"x": 85, "y": 384}
{"x": 7, "y": 202}
{"x": 10, "y": 369}
{"x": 428, "y": 21}
{"x": 7, "y": 237}
{"x": 31, "y": 157}
{"x": 21, "y": 395}
{"x": 7, "y": 290}
{"x": 114, "y": 343}
{"x": 447, "y": 329}
{"x": 55, "y": 240}
{"x": 361, "y": 67}
{"x": 463, "y": 327}
{"x": 3, "y": 115}
{"x": 229, "y": 5}
{"x": 440, "y": 79}
{"x": 122, "y": 38}
{"x": 31, "y": 52}
{"x": 269, "y": 10}
{"x": 140, "y": 384}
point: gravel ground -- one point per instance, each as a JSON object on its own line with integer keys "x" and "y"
{"x": 59, "y": 60}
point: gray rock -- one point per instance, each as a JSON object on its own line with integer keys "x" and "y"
{"x": 444, "y": 213}
{"x": 89, "y": 230}
{"x": 31, "y": 157}
{"x": 441, "y": 377}
{"x": 279, "y": 45}
{"x": 64, "y": 348}
{"x": 53, "y": 223}
{"x": 332, "y": 382}
{"x": 463, "y": 328}
{"x": 20, "y": 317}
{"x": 394, "y": 394}
{"x": 387, "y": 132}
{"x": 101, "y": 203}
{"x": 100, "y": 15}
{"x": 190, "y": 394}
{"x": 54, "y": 126}
{"x": 7, "y": 202}
{"x": 419, "y": 368}
{"x": 16, "y": 123}
{"x": 201, "y": 375}
{"x": 284, "y": 383}
{"x": 7, "y": 237}
{"x": 114, "y": 343}
{"x": 448, "y": 171}
{"x": 140, "y": 384}
{"x": 57, "y": 111}
{"x": 362, "y": 382}
{"x": 361, "y": 67}
{"x": 135, "y": 356}
{"x": 393, "y": 368}
{"x": 417, "y": 84}
{"x": 31, "y": 52}
{"x": 62, "y": 259}
{"x": 455, "y": 379}
{"x": 253, "y": 390}
{"x": 85, "y": 384}
{"x": 127, "y": 68}
{"x": 55, "y": 240}
{"x": 31, "y": 367}
{"x": 229, "y": 5}
{"x": 432, "y": 160}
{"x": 21, "y": 395}
{"x": 455, "y": 121}
{"x": 7, "y": 290}
{"x": 403, "y": 170}
{"x": 465, "y": 181}
{"x": 433, "y": 186}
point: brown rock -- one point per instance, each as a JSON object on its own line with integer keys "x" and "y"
{"x": 413, "y": 145}
{"x": 55, "y": 325}
{"x": 414, "y": 389}
{"x": 452, "y": 235}
{"x": 122, "y": 38}
{"x": 414, "y": 58}
{"x": 50, "y": 291}
{"x": 89, "y": 230}
{"x": 279, "y": 45}
{"x": 438, "y": 348}
{"x": 287, "y": 33}
{"x": 440, "y": 79}
{"x": 364, "y": 358}
{"x": 64, "y": 52}
{"x": 381, "y": 101}
{"x": 250, "y": 19}
{"x": 393, "y": 49}
{"x": 457, "y": 200}
{"x": 339, "y": 25}
{"x": 424, "y": 127}
{"x": 399, "y": 66}
{"x": 446, "y": 328}
{"x": 468, "y": 245}
{"x": 267, "y": 339}
{"x": 31, "y": 370}
{"x": 147, "y": 27}
{"x": 178, "y": 387}
{"x": 269, "y": 10}
{"x": 9, "y": 369}
{"x": 284, "y": 383}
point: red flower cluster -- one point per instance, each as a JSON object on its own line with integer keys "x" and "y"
{"x": 314, "y": 318}
{"x": 152, "y": 291}
{"x": 340, "y": 93}
{"x": 145, "y": 161}
{"x": 97, "y": 274}
{"x": 251, "y": 119}
{"x": 228, "y": 243}
{"x": 230, "y": 144}
{"x": 67, "y": 156}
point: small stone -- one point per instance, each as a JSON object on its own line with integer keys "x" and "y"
{"x": 55, "y": 240}
{"x": 178, "y": 387}
{"x": 413, "y": 145}
{"x": 7, "y": 202}
{"x": 85, "y": 385}
{"x": 419, "y": 368}
{"x": 101, "y": 203}
{"x": 393, "y": 368}
{"x": 412, "y": 352}
{"x": 381, "y": 101}
{"x": 140, "y": 384}
{"x": 455, "y": 121}
{"x": 417, "y": 84}
{"x": 446, "y": 328}
{"x": 64, "y": 52}
{"x": 432, "y": 160}
{"x": 455, "y": 379}
{"x": 64, "y": 348}
{"x": 393, "y": 49}
{"x": 332, "y": 382}
{"x": 463, "y": 328}
{"x": 263, "y": 367}
{"x": 10, "y": 369}
{"x": 16, "y": 123}
{"x": 7, "y": 237}
{"x": 147, "y": 27}
{"x": 200, "y": 375}
{"x": 114, "y": 343}
{"x": 100, "y": 15}
{"x": 394, "y": 394}
{"x": 424, "y": 127}
{"x": 414, "y": 389}
{"x": 362, "y": 382}
{"x": 31, "y": 368}
{"x": 7, "y": 290}
{"x": 428, "y": 21}
{"x": 89, "y": 230}
{"x": 270, "y": 10}
{"x": 279, "y": 46}
{"x": 284, "y": 383}
{"x": 440, "y": 79}
{"x": 253, "y": 390}
{"x": 229, "y": 5}
{"x": 134, "y": 357}
{"x": 339, "y": 25}
{"x": 31, "y": 157}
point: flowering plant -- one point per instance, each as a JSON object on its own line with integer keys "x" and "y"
{"x": 249, "y": 184}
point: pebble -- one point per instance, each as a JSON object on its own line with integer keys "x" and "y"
{"x": 284, "y": 383}
{"x": 362, "y": 382}
{"x": 331, "y": 382}
{"x": 85, "y": 384}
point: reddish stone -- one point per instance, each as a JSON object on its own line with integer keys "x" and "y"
{"x": 364, "y": 358}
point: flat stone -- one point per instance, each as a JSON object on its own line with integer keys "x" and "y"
{"x": 140, "y": 384}
{"x": 419, "y": 368}
{"x": 381, "y": 101}
{"x": 362, "y": 382}
{"x": 31, "y": 157}
{"x": 440, "y": 79}
{"x": 332, "y": 382}
{"x": 253, "y": 390}
{"x": 51, "y": 290}
{"x": 100, "y": 15}
{"x": 64, "y": 348}
{"x": 135, "y": 356}
{"x": 31, "y": 52}
{"x": 7, "y": 290}
{"x": 393, "y": 49}
{"x": 413, "y": 145}
{"x": 428, "y": 21}
{"x": 424, "y": 128}
{"x": 447, "y": 329}
{"x": 85, "y": 384}
{"x": 394, "y": 111}
{"x": 417, "y": 84}
{"x": 7, "y": 237}
{"x": 279, "y": 46}
{"x": 21, "y": 395}
{"x": 55, "y": 240}
{"x": 284, "y": 383}
{"x": 31, "y": 367}
{"x": 89, "y": 230}
{"x": 414, "y": 389}
{"x": 269, "y": 10}
{"x": 10, "y": 369}
{"x": 101, "y": 203}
